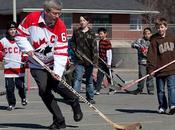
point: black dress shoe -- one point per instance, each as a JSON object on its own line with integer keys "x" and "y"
{"x": 57, "y": 125}
{"x": 53, "y": 127}
{"x": 78, "y": 115}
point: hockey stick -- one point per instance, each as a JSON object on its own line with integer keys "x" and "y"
{"x": 118, "y": 63}
{"x": 28, "y": 76}
{"x": 14, "y": 61}
{"x": 117, "y": 66}
{"x": 86, "y": 58}
{"x": 123, "y": 81}
{"x": 110, "y": 71}
{"x": 110, "y": 74}
{"x": 128, "y": 85}
{"x": 136, "y": 126}
{"x": 119, "y": 77}
{"x": 2, "y": 93}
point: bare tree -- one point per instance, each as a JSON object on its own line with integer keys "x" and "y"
{"x": 165, "y": 7}
{"x": 150, "y": 5}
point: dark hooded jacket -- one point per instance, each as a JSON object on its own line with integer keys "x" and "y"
{"x": 86, "y": 44}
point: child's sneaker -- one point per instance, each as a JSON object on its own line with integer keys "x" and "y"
{"x": 24, "y": 101}
{"x": 172, "y": 110}
{"x": 161, "y": 111}
{"x": 112, "y": 92}
{"x": 97, "y": 93}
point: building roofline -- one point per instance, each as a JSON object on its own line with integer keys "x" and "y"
{"x": 96, "y": 11}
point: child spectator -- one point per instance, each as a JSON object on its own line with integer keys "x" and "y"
{"x": 105, "y": 59}
{"x": 161, "y": 52}
{"x": 84, "y": 41}
{"x": 14, "y": 72}
{"x": 142, "y": 45}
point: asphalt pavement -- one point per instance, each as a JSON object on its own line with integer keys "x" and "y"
{"x": 121, "y": 108}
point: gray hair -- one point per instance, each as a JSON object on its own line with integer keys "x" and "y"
{"x": 55, "y": 4}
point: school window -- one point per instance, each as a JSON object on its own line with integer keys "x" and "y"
{"x": 67, "y": 18}
{"x": 135, "y": 22}
{"x": 101, "y": 20}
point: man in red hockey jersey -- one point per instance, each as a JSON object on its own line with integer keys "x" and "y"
{"x": 48, "y": 41}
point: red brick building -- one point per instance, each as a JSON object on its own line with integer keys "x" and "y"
{"x": 122, "y": 18}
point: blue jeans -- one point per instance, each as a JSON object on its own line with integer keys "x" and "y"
{"x": 160, "y": 82}
{"x": 100, "y": 76}
{"x": 80, "y": 70}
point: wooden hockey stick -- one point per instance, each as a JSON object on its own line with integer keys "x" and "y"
{"x": 28, "y": 76}
{"x": 119, "y": 77}
{"x": 128, "y": 85}
{"x": 135, "y": 126}
{"x": 2, "y": 93}
{"x": 110, "y": 71}
{"x": 14, "y": 61}
{"x": 120, "y": 61}
{"x": 116, "y": 65}
{"x": 123, "y": 81}
{"x": 110, "y": 74}
{"x": 87, "y": 59}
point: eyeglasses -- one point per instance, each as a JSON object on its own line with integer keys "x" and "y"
{"x": 56, "y": 13}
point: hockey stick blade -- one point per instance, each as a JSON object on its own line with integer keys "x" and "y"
{"x": 116, "y": 87}
{"x": 135, "y": 126}
{"x": 114, "y": 125}
{"x": 132, "y": 83}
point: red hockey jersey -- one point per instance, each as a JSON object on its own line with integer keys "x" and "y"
{"x": 49, "y": 44}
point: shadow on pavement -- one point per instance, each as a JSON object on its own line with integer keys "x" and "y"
{"x": 23, "y": 125}
{"x": 5, "y": 108}
{"x": 143, "y": 93}
{"x": 29, "y": 126}
{"x": 136, "y": 111}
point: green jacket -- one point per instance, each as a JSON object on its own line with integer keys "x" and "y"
{"x": 85, "y": 43}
